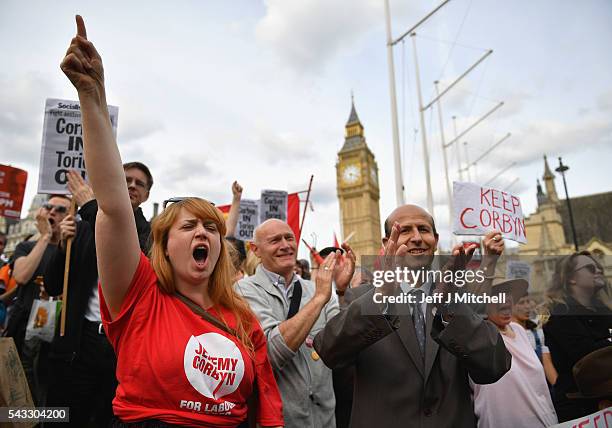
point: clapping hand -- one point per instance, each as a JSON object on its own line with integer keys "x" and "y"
{"x": 80, "y": 190}
{"x": 42, "y": 222}
{"x": 345, "y": 268}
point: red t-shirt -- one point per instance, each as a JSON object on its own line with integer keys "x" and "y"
{"x": 176, "y": 367}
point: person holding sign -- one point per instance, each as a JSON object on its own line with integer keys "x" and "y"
{"x": 31, "y": 258}
{"x": 189, "y": 350}
{"x": 412, "y": 361}
{"x": 82, "y": 361}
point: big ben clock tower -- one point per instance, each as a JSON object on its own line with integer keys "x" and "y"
{"x": 358, "y": 193}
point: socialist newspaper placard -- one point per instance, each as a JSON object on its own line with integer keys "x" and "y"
{"x": 12, "y": 188}
{"x": 248, "y": 219}
{"x": 273, "y": 204}
{"x": 62, "y": 144}
{"x": 480, "y": 209}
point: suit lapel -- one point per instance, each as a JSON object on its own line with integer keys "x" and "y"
{"x": 431, "y": 346}
{"x": 407, "y": 335}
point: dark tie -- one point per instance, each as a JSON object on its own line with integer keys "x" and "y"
{"x": 419, "y": 320}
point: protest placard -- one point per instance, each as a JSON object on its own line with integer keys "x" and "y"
{"x": 248, "y": 219}
{"x": 600, "y": 419}
{"x": 62, "y": 144}
{"x": 288, "y": 204}
{"x": 12, "y": 188}
{"x": 273, "y": 204}
{"x": 480, "y": 209}
{"x": 517, "y": 269}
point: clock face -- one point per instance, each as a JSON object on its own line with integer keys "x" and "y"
{"x": 374, "y": 176}
{"x": 351, "y": 174}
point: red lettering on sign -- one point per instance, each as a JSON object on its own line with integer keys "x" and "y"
{"x": 519, "y": 226}
{"x": 515, "y": 204}
{"x": 494, "y": 198}
{"x": 463, "y": 213}
{"x": 507, "y": 223}
{"x": 496, "y": 224}
{"x": 505, "y": 201}
{"x": 488, "y": 223}
{"x": 483, "y": 196}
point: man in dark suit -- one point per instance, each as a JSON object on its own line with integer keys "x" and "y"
{"x": 412, "y": 368}
{"x": 83, "y": 362}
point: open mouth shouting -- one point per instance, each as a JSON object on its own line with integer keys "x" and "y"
{"x": 200, "y": 255}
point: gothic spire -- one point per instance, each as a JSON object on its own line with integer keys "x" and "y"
{"x": 549, "y": 182}
{"x": 353, "y": 118}
{"x": 547, "y": 172}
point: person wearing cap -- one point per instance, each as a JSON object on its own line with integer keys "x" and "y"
{"x": 580, "y": 322}
{"x": 412, "y": 360}
{"x": 292, "y": 311}
{"x": 521, "y": 397}
{"x": 593, "y": 377}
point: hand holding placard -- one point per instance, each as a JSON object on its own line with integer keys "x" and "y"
{"x": 479, "y": 210}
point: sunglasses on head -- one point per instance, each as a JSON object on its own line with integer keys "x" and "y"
{"x": 590, "y": 267}
{"x": 181, "y": 199}
{"x": 59, "y": 208}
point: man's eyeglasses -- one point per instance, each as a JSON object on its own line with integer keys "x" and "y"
{"x": 58, "y": 208}
{"x": 181, "y": 199}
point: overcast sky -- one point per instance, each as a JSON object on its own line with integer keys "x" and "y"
{"x": 212, "y": 91}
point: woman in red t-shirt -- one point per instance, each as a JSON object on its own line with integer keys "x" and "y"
{"x": 174, "y": 365}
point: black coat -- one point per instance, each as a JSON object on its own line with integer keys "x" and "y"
{"x": 572, "y": 332}
{"x": 82, "y": 278}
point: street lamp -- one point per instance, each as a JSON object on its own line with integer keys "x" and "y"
{"x": 561, "y": 169}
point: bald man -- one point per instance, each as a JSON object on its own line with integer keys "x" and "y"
{"x": 412, "y": 368}
{"x": 292, "y": 311}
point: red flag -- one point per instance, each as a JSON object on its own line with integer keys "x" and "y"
{"x": 293, "y": 213}
{"x": 336, "y": 241}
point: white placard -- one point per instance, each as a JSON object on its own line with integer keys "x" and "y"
{"x": 62, "y": 144}
{"x": 480, "y": 209}
{"x": 600, "y": 419}
{"x": 273, "y": 204}
{"x": 248, "y": 219}
{"x": 516, "y": 269}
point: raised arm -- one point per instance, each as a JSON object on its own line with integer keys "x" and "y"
{"x": 232, "y": 218}
{"x": 115, "y": 225}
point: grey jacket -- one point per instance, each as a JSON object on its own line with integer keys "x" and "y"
{"x": 305, "y": 383}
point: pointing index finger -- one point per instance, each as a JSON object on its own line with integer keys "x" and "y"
{"x": 81, "y": 31}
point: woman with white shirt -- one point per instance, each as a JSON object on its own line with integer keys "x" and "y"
{"x": 521, "y": 397}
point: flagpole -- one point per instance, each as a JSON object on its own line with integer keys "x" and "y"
{"x": 306, "y": 204}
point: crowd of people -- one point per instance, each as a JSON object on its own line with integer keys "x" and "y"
{"x": 178, "y": 323}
